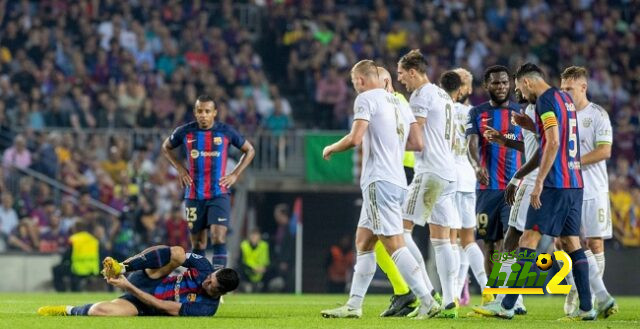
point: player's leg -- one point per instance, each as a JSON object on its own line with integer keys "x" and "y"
{"x": 455, "y": 262}
{"x": 488, "y": 206}
{"x": 196, "y": 214}
{"x": 415, "y": 212}
{"x": 401, "y": 293}
{"x": 116, "y": 307}
{"x": 218, "y": 217}
{"x": 159, "y": 260}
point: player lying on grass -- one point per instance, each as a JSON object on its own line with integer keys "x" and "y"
{"x": 150, "y": 289}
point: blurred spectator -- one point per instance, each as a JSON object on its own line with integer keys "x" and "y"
{"x": 23, "y": 237}
{"x": 80, "y": 260}
{"x": 254, "y": 260}
{"x": 115, "y": 164}
{"x": 331, "y": 95}
{"x": 177, "y": 229}
{"x": 8, "y": 217}
{"x": 339, "y": 265}
{"x": 282, "y": 247}
{"x": 17, "y": 155}
{"x": 53, "y": 239}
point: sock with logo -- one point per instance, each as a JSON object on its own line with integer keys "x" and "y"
{"x": 601, "y": 262}
{"x": 581, "y": 277}
{"x": 363, "y": 272}
{"x": 219, "y": 259}
{"x": 153, "y": 258}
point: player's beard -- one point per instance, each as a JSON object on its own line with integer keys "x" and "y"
{"x": 495, "y": 99}
{"x": 463, "y": 98}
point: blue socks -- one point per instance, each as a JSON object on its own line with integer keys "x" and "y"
{"x": 219, "y": 259}
{"x": 80, "y": 310}
{"x": 510, "y": 300}
{"x": 581, "y": 278}
{"x": 155, "y": 258}
{"x": 198, "y": 252}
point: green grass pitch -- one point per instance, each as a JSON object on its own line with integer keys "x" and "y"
{"x": 289, "y": 311}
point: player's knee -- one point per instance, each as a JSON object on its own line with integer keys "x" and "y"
{"x": 177, "y": 254}
{"x": 595, "y": 245}
{"x": 570, "y": 243}
{"x": 99, "y": 309}
{"x": 218, "y": 234}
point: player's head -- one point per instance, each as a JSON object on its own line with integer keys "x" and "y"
{"x": 527, "y": 77}
{"x": 384, "y": 78}
{"x": 574, "y": 81}
{"x": 467, "y": 84}
{"x": 496, "y": 83}
{"x": 451, "y": 82}
{"x": 205, "y": 111}
{"x": 221, "y": 282}
{"x": 412, "y": 69}
{"x": 364, "y": 76}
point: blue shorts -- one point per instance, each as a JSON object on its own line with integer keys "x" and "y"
{"x": 142, "y": 281}
{"x": 201, "y": 214}
{"x": 492, "y": 215}
{"x": 560, "y": 213}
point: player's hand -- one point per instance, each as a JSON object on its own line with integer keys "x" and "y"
{"x": 494, "y": 136}
{"x": 523, "y": 121}
{"x": 119, "y": 282}
{"x": 510, "y": 194}
{"x": 228, "y": 180}
{"x": 185, "y": 179}
{"x": 326, "y": 153}
{"x": 535, "y": 195}
{"x": 482, "y": 176}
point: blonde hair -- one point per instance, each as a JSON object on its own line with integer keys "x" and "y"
{"x": 366, "y": 67}
{"x": 574, "y": 73}
{"x": 465, "y": 75}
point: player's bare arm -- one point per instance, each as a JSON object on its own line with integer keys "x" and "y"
{"x": 601, "y": 152}
{"x": 352, "y": 139}
{"x": 185, "y": 179}
{"x": 169, "y": 307}
{"x": 531, "y": 165}
{"x": 472, "y": 152}
{"x": 248, "y": 153}
{"x": 495, "y": 136}
{"x": 415, "y": 142}
{"x": 549, "y": 153}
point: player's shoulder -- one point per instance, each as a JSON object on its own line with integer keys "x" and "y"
{"x": 187, "y": 127}
{"x": 514, "y": 106}
{"x": 481, "y": 107}
{"x": 598, "y": 111}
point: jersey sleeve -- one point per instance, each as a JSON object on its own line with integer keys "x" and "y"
{"x": 237, "y": 140}
{"x": 604, "y": 132}
{"x": 198, "y": 262}
{"x": 421, "y": 105}
{"x": 472, "y": 124}
{"x": 198, "y": 309}
{"x": 177, "y": 137}
{"x": 363, "y": 109}
{"x": 544, "y": 109}
{"x": 406, "y": 110}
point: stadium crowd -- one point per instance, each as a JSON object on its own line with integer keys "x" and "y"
{"x": 89, "y": 64}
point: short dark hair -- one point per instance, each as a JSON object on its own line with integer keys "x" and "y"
{"x": 528, "y": 69}
{"x": 494, "y": 69}
{"x": 227, "y": 280}
{"x": 574, "y": 72}
{"x": 450, "y": 81}
{"x": 205, "y": 99}
{"x": 414, "y": 60}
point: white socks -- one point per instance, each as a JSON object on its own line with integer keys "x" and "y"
{"x": 505, "y": 268}
{"x": 476, "y": 262}
{"x": 456, "y": 265}
{"x": 600, "y": 261}
{"x": 363, "y": 272}
{"x": 462, "y": 273}
{"x": 595, "y": 280}
{"x": 409, "y": 268}
{"x": 413, "y": 249}
{"x": 446, "y": 271}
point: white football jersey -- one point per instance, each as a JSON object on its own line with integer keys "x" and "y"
{"x": 384, "y": 142}
{"x": 435, "y": 105}
{"x": 594, "y": 128}
{"x": 530, "y": 145}
{"x": 466, "y": 176}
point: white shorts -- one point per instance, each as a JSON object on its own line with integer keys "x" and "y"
{"x": 381, "y": 211}
{"x": 466, "y": 206}
{"x": 432, "y": 200}
{"x": 596, "y": 217}
{"x": 518, "y": 215}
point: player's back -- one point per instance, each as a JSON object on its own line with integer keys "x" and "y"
{"x": 555, "y": 107}
{"x": 435, "y": 105}
{"x": 500, "y": 161}
{"x": 384, "y": 142}
{"x": 466, "y": 177}
{"x": 595, "y": 129}
{"x": 530, "y": 145}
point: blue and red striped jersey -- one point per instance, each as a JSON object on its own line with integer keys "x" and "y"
{"x": 186, "y": 288}
{"x": 206, "y": 153}
{"x": 556, "y": 108}
{"x": 501, "y": 162}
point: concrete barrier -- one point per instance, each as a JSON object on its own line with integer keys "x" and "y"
{"x": 22, "y": 272}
